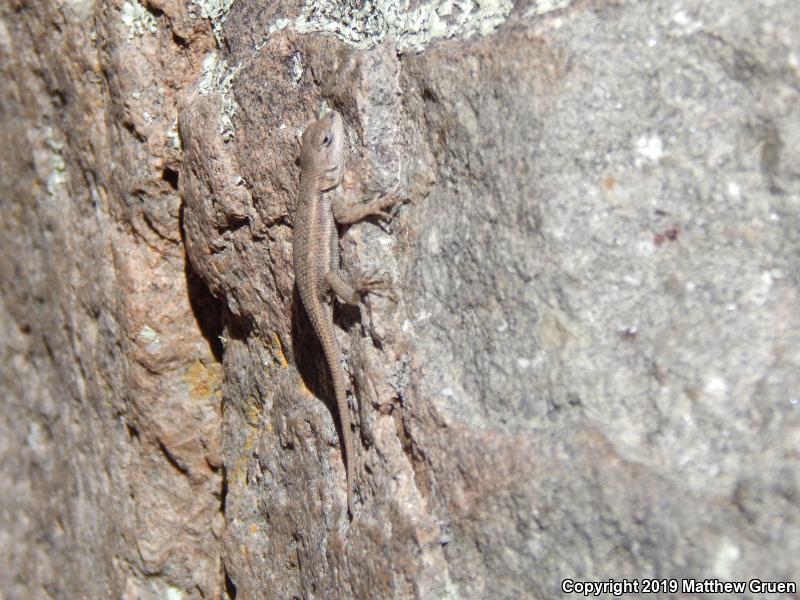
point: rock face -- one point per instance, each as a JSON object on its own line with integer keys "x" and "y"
{"x": 590, "y": 365}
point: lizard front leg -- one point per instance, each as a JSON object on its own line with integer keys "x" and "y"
{"x": 347, "y": 212}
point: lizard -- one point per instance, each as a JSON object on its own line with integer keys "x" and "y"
{"x": 315, "y": 247}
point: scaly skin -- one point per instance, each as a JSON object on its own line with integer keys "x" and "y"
{"x": 316, "y": 251}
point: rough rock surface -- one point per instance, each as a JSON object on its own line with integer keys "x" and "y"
{"x": 589, "y": 370}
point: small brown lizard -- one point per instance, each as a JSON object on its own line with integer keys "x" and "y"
{"x": 316, "y": 251}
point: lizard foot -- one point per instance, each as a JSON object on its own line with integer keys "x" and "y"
{"x": 372, "y": 283}
{"x": 382, "y": 207}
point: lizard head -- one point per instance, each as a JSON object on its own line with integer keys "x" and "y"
{"x": 323, "y": 149}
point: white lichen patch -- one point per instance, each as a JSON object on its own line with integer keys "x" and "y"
{"x": 208, "y": 73}
{"x": 217, "y": 78}
{"x": 138, "y": 19}
{"x": 278, "y": 25}
{"x": 297, "y": 68}
{"x": 542, "y": 7}
{"x": 173, "y": 136}
{"x": 367, "y": 23}
{"x": 57, "y": 166}
{"x": 215, "y": 11}
{"x": 370, "y": 23}
{"x": 150, "y": 338}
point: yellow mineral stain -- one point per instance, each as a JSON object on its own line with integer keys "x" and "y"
{"x": 303, "y": 388}
{"x": 239, "y": 470}
{"x": 203, "y": 380}
{"x": 253, "y": 410}
{"x": 276, "y": 342}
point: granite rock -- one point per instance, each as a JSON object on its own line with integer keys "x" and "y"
{"x": 589, "y": 367}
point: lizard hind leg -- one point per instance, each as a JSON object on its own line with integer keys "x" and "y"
{"x": 370, "y": 282}
{"x": 343, "y": 290}
{"x": 373, "y": 283}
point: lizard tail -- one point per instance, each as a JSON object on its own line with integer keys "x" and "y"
{"x": 334, "y": 357}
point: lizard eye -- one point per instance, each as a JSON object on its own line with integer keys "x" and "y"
{"x": 327, "y": 140}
